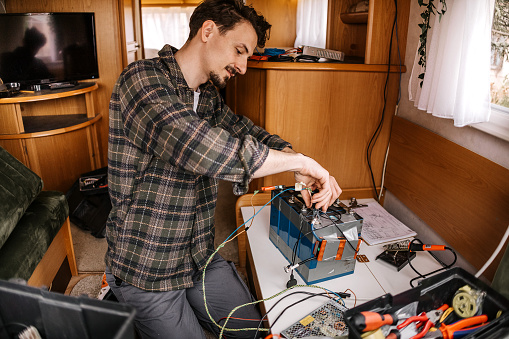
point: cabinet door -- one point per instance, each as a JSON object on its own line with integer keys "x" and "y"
{"x": 132, "y": 37}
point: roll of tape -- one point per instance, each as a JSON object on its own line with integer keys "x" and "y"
{"x": 375, "y": 334}
{"x": 466, "y": 301}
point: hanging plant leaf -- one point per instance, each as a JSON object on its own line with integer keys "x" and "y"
{"x": 429, "y": 9}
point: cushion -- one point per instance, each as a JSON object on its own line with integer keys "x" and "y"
{"x": 27, "y": 244}
{"x": 18, "y": 188}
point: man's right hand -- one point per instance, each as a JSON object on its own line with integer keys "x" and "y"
{"x": 314, "y": 176}
{"x": 307, "y": 171}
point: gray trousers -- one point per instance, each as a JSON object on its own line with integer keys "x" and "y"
{"x": 181, "y": 313}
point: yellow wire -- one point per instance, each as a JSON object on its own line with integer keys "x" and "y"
{"x": 224, "y": 328}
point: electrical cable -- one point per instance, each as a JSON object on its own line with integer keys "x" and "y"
{"x": 445, "y": 267}
{"x": 302, "y": 235}
{"x": 291, "y": 305}
{"x": 294, "y": 252}
{"x": 223, "y": 327}
{"x": 324, "y": 294}
{"x": 395, "y": 109}
{"x": 378, "y": 129}
{"x": 343, "y": 234}
{"x": 494, "y": 255}
{"x": 210, "y": 259}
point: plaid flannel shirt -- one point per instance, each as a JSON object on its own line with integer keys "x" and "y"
{"x": 164, "y": 162}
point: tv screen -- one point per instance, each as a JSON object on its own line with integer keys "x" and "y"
{"x": 44, "y": 48}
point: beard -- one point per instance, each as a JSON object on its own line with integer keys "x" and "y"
{"x": 221, "y": 82}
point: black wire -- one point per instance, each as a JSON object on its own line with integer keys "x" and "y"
{"x": 378, "y": 129}
{"x": 445, "y": 267}
{"x": 302, "y": 235}
{"x": 294, "y": 253}
{"x": 310, "y": 295}
{"x": 343, "y": 234}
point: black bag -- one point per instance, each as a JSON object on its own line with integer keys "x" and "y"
{"x": 89, "y": 202}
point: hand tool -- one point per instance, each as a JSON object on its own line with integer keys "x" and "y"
{"x": 367, "y": 321}
{"x": 428, "y": 319}
{"x": 449, "y": 331}
{"x": 423, "y": 247}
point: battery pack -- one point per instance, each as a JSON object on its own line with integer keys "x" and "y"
{"x": 326, "y": 243}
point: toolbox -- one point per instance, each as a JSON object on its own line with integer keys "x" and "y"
{"x": 52, "y": 315}
{"x": 433, "y": 292}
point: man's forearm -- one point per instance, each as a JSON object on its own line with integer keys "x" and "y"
{"x": 280, "y": 161}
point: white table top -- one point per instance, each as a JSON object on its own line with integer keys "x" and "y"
{"x": 369, "y": 280}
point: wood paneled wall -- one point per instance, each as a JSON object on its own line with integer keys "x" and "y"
{"x": 461, "y": 195}
{"x": 328, "y": 112}
{"x": 282, "y": 15}
{"x": 109, "y": 48}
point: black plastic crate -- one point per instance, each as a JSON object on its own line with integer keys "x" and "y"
{"x": 433, "y": 292}
{"x": 59, "y": 316}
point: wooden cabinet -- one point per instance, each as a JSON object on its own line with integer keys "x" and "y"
{"x": 367, "y": 36}
{"x": 53, "y": 133}
{"x": 327, "y": 111}
{"x": 330, "y": 111}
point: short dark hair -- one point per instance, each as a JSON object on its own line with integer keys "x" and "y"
{"x": 226, "y": 14}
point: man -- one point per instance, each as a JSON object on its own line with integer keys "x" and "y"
{"x": 171, "y": 139}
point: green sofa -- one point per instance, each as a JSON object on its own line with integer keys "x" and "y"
{"x": 35, "y": 236}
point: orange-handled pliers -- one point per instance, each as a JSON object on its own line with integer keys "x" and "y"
{"x": 448, "y": 331}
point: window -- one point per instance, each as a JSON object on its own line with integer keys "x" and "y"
{"x": 165, "y": 25}
{"x": 500, "y": 54}
{"x": 311, "y": 23}
{"x": 499, "y": 82}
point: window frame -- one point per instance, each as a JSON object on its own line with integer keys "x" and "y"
{"x": 498, "y": 125}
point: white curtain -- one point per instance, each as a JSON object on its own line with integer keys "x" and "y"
{"x": 457, "y": 80}
{"x": 311, "y": 23}
{"x": 165, "y": 25}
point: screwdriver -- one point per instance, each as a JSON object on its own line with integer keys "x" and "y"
{"x": 368, "y": 321}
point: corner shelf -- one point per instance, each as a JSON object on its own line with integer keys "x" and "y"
{"x": 53, "y": 132}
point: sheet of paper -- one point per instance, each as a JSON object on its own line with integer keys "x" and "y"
{"x": 380, "y": 226}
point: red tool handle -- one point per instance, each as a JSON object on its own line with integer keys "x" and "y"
{"x": 368, "y": 321}
{"x": 423, "y": 317}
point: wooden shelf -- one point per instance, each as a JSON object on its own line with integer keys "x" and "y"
{"x": 324, "y": 66}
{"x": 52, "y": 122}
{"x": 43, "y": 126}
{"x": 48, "y": 94}
{"x": 354, "y": 18}
{"x": 53, "y": 132}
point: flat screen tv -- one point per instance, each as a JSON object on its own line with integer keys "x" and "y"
{"x": 47, "y": 48}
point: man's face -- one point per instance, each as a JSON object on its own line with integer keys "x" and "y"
{"x": 228, "y": 53}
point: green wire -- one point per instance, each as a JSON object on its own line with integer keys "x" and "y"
{"x": 224, "y": 328}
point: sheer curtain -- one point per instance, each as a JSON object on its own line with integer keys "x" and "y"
{"x": 457, "y": 80}
{"x": 311, "y": 23}
{"x": 165, "y": 25}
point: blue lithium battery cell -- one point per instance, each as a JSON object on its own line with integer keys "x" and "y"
{"x": 321, "y": 242}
